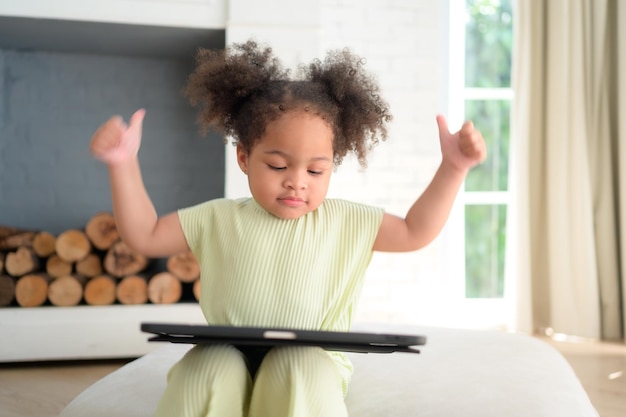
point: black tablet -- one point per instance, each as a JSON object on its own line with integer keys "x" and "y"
{"x": 258, "y": 336}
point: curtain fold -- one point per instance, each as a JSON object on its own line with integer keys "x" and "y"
{"x": 569, "y": 167}
{"x": 620, "y": 115}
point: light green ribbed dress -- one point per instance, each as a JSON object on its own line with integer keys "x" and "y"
{"x": 260, "y": 270}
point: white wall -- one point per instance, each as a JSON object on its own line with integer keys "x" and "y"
{"x": 401, "y": 41}
{"x": 210, "y": 14}
{"x": 291, "y": 28}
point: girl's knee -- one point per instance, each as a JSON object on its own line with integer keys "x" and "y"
{"x": 210, "y": 380}
{"x": 310, "y": 362}
{"x": 208, "y": 362}
{"x": 298, "y": 382}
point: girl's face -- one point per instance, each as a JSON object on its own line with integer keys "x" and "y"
{"x": 289, "y": 168}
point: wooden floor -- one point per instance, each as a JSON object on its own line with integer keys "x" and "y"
{"x": 43, "y": 390}
{"x": 601, "y": 367}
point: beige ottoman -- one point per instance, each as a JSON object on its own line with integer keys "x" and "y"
{"x": 459, "y": 373}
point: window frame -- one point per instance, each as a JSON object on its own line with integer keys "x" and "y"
{"x": 471, "y": 312}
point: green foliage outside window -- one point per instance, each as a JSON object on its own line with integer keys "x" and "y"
{"x": 484, "y": 250}
{"x": 488, "y": 43}
{"x": 493, "y": 119}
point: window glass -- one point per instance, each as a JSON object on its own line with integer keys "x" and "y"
{"x": 485, "y": 227}
{"x": 492, "y": 117}
{"x": 488, "y": 43}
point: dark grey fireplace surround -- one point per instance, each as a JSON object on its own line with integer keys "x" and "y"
{"x": 59, "y": 80}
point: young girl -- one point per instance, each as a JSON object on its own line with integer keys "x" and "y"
{"x": 287, "y": 257}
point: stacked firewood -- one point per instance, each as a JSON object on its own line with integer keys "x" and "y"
{"x": 88, "y": 266}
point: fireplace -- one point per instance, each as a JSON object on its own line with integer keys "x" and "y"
{"x": 59, "y": 80}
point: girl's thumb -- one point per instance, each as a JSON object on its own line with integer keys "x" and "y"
{"x": 442, "y": 123}
{"x": 136, "y": 120}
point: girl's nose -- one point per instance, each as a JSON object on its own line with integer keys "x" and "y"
{"x": 296, "y": 181}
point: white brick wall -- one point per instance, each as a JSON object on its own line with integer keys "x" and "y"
{"x": 400, "y": 39}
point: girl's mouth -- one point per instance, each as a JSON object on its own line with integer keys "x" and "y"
{"x": 292, "y": 201}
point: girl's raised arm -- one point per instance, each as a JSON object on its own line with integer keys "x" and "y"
{"x": 117, "y": 145}
{"x": 460, "y": 152}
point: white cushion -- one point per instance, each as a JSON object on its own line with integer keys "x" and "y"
{"x": 459, "y": 373}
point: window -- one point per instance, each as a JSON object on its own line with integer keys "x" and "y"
{"x": 480, "y": 57}
{"x": 487, "y": 97}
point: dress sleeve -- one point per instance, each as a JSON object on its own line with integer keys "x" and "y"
{"x": 196, "y": 223}
{"x": 360, "y": 226}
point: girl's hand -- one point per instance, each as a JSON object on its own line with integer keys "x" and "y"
{"x": 463, "y": 149}
{"x": 115, "y": 142}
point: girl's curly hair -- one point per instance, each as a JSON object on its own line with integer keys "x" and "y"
{"x": 244, "y": 87}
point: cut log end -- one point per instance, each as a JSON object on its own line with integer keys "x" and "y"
{"x": 121, "y": 261}
{"x": 184, "y": 266}
{"x": 164, "y": 288}
{"x": 21, "y": 262}
{"x": 32, "y": 290}
{"x": 132, "y": 289}
{"x": 44, "y": 244}
{"x": 100, "y": 290}
{"x": 90, "y": 266}
{"x": 57, "y": 267}
{"x": 102, "y": 231}
{"x": 72, "y": 245}
{"x": 67, "y": 290}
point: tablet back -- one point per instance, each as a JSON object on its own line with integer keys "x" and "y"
{"x": 258, "y": 336}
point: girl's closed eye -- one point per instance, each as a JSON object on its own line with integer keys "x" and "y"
{"x": 313, "y": 172}
{"x": 276, "y": 168}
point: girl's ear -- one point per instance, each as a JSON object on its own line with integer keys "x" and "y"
{"x": 242, "y": 158}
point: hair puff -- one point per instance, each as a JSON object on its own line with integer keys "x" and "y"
{"x": 243, "y": 88}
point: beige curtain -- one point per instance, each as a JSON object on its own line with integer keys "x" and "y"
{"x": 569, "y": 163}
